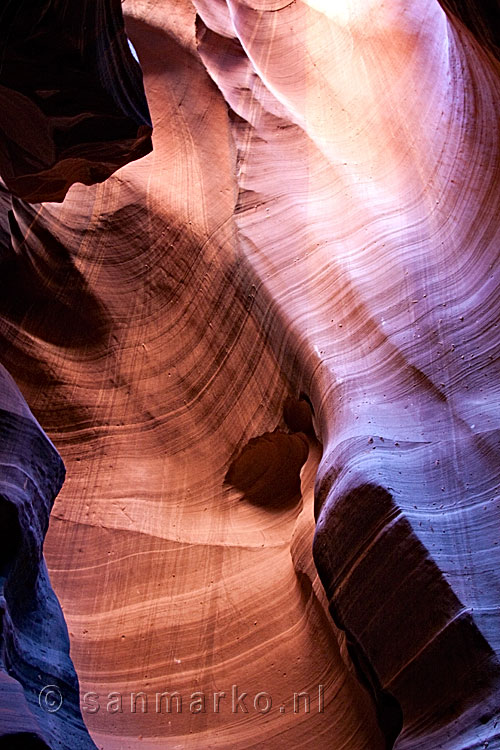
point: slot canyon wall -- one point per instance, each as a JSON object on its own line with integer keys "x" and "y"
{"x": 266, "y": 353}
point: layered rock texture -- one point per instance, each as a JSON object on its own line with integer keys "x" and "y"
{"x": 35, "y": 668}
{"x": 267, "y": 353}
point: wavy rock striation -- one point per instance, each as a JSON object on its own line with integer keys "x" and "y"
{"x": 385, "y": 118}
{"x": 278, "y": 333}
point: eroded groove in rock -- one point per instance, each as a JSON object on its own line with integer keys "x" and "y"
{"x": 72, "y": 103}
{"x": 267, "y": 470}
{"x": 37, "y": 678}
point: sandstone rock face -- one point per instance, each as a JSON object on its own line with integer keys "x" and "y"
{"x": 273, "y": 337}
{"x": 37, "y": 678}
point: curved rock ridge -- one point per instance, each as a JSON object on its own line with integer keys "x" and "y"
{"x": 277, "y": 334}
{"x": 72, "y": 103}
{"x": 38, "y": 685}
{"x": 379, "y": 249}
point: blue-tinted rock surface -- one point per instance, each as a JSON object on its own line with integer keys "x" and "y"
{"x": 39, "y": 704}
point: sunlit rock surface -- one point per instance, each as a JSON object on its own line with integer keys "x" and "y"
{"x": 286, "y": 315}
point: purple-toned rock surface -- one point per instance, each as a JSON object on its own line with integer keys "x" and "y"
{"x": 39, "y": 700}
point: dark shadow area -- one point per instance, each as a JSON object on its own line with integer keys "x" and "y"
{"x": 23, "y": 741}
{"x": 267, "y": 471}
{"x": 44, "y": 293}
{"x": 413, "y": 643}
{"x": 72, "y": 102}
{"x": 10, "y": 534}
{"x": 298, "y": 414}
